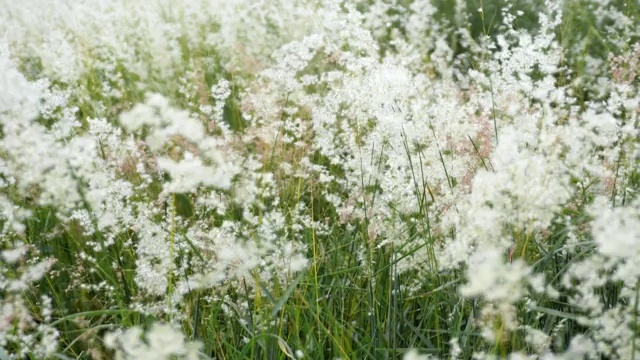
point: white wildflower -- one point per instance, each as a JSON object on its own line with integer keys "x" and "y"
{"x": 160, "y": 342}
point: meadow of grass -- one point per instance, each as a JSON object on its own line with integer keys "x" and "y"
{"x": 319, "y": 179}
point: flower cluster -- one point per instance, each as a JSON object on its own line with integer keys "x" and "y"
{"x": 161, "y": 341}
{"x": 162, "y": 157}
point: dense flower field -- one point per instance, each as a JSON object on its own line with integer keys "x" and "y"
{"x": 319, "y": 179}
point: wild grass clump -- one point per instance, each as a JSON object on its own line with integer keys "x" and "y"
{"x": 319, "y": 179}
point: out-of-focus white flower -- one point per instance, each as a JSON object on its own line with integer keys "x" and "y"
{"x": 537, "y": 339}
{"x": 617, "y": 230}
{"x": 413, "y": 354}
{"x": 455, "y": 351}
{"x": 489, "y": 276}
{"x": 190, "y": 172}
{"x": 16, "y": 93}
{"x": 165, "y": 340}
{"x": 160, "y": 342}
{"x": 19, "y": 328}
{"x": 13, "y": 255}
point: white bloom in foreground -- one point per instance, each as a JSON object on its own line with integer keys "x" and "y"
{"x": 190, "y": 172}
{"x": 490, "y": 277}
{"x": 16, "y": 93}
{"x": 617, "y": 230}
{"x": 24, "y": 324}
{"x": 413, "y": 354}
{"x": 163, "y": 121}
{"x": 162, "y": 341}
{"x": 11, "y": 256}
